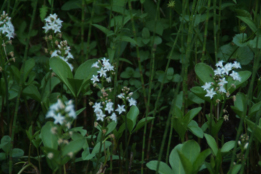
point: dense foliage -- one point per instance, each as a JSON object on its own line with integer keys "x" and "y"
{"x": 130, "y": 86}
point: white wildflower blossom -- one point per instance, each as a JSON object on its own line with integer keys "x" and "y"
{"x": 109, "y": 107}
{"x": 6, "y": 26}
{"x": 100, "y": 115}
{"x": 210, "y": 93}
{"x": 206, "y": 86}
{"x": 95, "y": 65}
{"x": 95, "y": 78}
{"x": 220, "y": 64}
{"x": 52, "y": 22}
{"x": 113, "y": 117}
{"x": 120, "y": 108}
{"x": 102, "y": 72}
{"x": 97, "y": 107}
{"x": 222, "y": 81}
{"x": 235, "y": 76}
{"x": 132, "y": 102}
{"x": 121, "y": 95}
{"x": 236, "y": 65}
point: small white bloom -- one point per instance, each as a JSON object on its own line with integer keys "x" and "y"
{"x": 108, "y": 79}
{"x": 236, "y": 65}
{"x": 58, "y": 119}
{"x": 222, "y": 81}
{"x": 222, "y": 89}
{"x": 95, "y": 65}
{"x": 95, "y": 78}
{"x": 120, "y": 108}
{"x": 97, "y": 107}
{"x": 121, "y": 95}
{"x": 100, "y": 115}
{"x": 220, "y": 63}
{"x": 109, "y": 107}
{"x": 227, "y": 68}
{"x": 114, "y": 117}
{"x": 102, "y": 72}
{"x": 218, "y": 71}
{"x": 132, "y": 102}
{"x": 210, "y": 93}
{"x": 108, "y": 66}
{"x": 206, "y": 86}
{"x": 104, "y": 60}
{"x": 235, "y": 76}
{"x": 245, "y": 146}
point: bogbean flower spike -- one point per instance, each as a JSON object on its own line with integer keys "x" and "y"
{"x": 6, "y": 26}
{"x": 63, "y": 53}
{"x": 52, "y": 22}
{"x": 62, "y": 113}
{"x": 221, "y": 75}
{"x": 105, "y": 70}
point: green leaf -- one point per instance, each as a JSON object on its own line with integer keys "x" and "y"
{"x": 190, "y": 150}
{"x": 212, "y": 143}
{"x": 145, "y": 33}
{"x": 127, "y": 39}
{"x": 76, "y": 84}
{"x": 186, "y": 163}
{"x": 192, "y": 113}
{"x": 32, "y": 92}
{"x": 16, "y": 153}
{"x": 73, "y": 4}
{"x": 255, "y": 43}
{"x": 49, "y": 139}
{"x": 200, "y": 160}
{"x": 256, "y": 130}
{"x": 63, "y": 71}
{"x": 163, "y": 167}
{"x": 132, "y": 115}
{"x": 226, "y": 51}
{"x": 174, "y": 160}
{"x": 43, "y": 12}
{"x": 6, "y": 143}
{"x": 240, "y": 39}
{"x": 104, "y": 30}
{"x": 244, "y": 77}
{"x": 2, "y": 156}
{"x": 158, "y": 28}
{"x": 240, "y": 101}
{"x": 79, "y": 111}
{"x": 236, "y": 168}
{"x": 85, "y": 71}
{"x": 204, "y": 72}
{"x": 73, "y": 146}
{"x": 249, "y": 22}
{"x": 254, "y": 109}
{"x": 195, "y": 129}
{"x": 28, "y": 66}
{"x": 142, "y": 122}
{"x": 228, "y": 146}
{"x": 110, "y": 127}
{"x": 96, "y": 148}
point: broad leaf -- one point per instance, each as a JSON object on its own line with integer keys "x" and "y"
{"x": 212, "y": 143}
{"x": 163, "y": 167}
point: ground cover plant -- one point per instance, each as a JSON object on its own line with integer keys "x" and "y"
{"x": 130, "y": 86}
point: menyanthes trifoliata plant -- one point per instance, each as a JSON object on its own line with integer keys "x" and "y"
{"x": 105, "y": 106}
{"x": 221, "y": 74}
{"x": 6, "y": 26}
{"x": 53, "y": 25}
{"x": 63, "y": 113}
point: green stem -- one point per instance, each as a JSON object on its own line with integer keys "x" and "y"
{"x": 205, "y": 34}
{"x": 20, "y": 90}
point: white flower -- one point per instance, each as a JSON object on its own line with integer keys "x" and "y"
{"x": 121, "y": 95}
{"x": 95, "y": 65}
{"x": 104, "y": 60}
{"x": 109, "y": 107}
{"x": 236, "y": 65}
{"x": 55, "y": 54}
{"x": 52, "y": 22}
{"x": 132, "y": 102}
{"x": 222, "y": 81}
{"x": 102, "y": 72}
{"x": 7, "y": 27}
{"x": 113, "y": 117}
{"x": 227, "y": 68}
{"x": 235, "y": 76}
{"x": 210, "y": 93}
{"x": 245, "y": 146}
{"x": 120, "y": 108}
{"x": 58, "y": 119}
{"x": 95, "y": 78}
{"x": 97, "y": 107}
{"x": 100, "y": 115}
{"x": 108, "y": 79}
{"x": 50, "y": 114}
{"x": 222, "y": 89}
{"x": 220, "y": 63}
{"x": 218, "y": 71}
{"x": 108, "y": 66}
{"x": 206, "y": 86}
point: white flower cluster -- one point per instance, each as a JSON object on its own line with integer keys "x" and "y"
{"x": 98, "y": 109}
{"x": 221, "y": 74}
{"x": 104, "y": 66}
{"x": 63, "y": 53}
{"x": 61, "y": 112}
{"x": 126, "y": 95}
{"x": 52, "y": 22}
{"x": 6, "y": 26}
